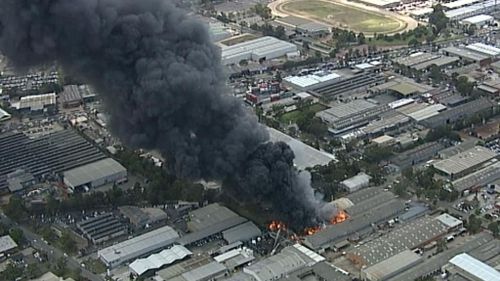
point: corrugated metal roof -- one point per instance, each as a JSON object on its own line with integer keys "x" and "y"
{"x": 93, "y": 171}
{"x": 156, "y": 261}
{"x": 242, "y": 232}
{"x": 204, "y": 272}
{"x": 475, "y": 267}
{"x": 6, "y": 243}
{"x": 388, "y": 267}
{"x": 465, "y": 160}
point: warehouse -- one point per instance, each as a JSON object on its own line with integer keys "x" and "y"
{"x": 243, "y": 232}
{"x": 177, "y": 269}
{"x": 95, "y": 174}
{"x": 481, "y": 177}
{"x": 320, "y": 271}
{"x": 311, "y": 81}
{"x": 357, "y": 182}
{"x": 460, "y": 112}
{"x": 37, "y": 104}
{"x": 50, "y": 154}
{"x": 463, "y": 163}
{"x": 427, "y": 112}
{"x": 70, "y": 97}
{"x": 102, "y": 228}
{"x": 305, "y": 155}
{"x": 207, "y": 272}
{"x": 387, "y": 121}
{"x": 304, "y": 26}
{"x": 409, "y": 236}
{"x": 471, "y": 269}
{"x": 478, "y": 20}
{"x": 417, "y": 155}
{"x": 391, "y": 266}
{"x": 459, "y": 4}
{"x": 367, "y": 207}
{"x": 383, "y": 4}
{"x": 487, "y": 50}
{"x": 290, "y": 259}
{"x": 235, "y": 258}
{"x": 363, "y": 80}
{"x": 465, "y": 54}
{"x": 472, "y": 10}
{"x": 264, "y": 48}
{"x": 7, "y": 244}
{"x": 4, "y": 115}
{"x": 138, "y": 246}
{"x": 159, "y": 260}
{"x": 142, "y": 217}
{"x": 208, "y": 221}
{"x": 402, "y": 87}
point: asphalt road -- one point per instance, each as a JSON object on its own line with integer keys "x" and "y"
{"x": 53, "y": 253}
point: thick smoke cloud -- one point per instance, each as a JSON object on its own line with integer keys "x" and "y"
{"x": 162, "y": 83}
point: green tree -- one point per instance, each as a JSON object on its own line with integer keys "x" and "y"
{"x": 17, "y": 235}
{"x": 400, "y": 189}
{"x": 471, "y": 30}
{"x": 15, "y": 209}
{"x": 413, "y": 42}
{"x": 438, "y": 19}
{"x": 435, "y": 74}
{"x": 361, "y": 38}
{"x": 494, "y": 228}
{"x": 12, "y": 272}
{"x": 474, "y": 224}
{"x": 463, "y": 86}
{"x": 68, "y": 244}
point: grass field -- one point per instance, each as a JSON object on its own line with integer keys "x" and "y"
{"x": 344, "y": 16}
{"x": 292, "y": 116}
{"x": 240, "y": 39}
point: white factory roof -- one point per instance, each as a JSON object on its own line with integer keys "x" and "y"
{"x": 156, "y": 261}
{"x": 382, "y": 139}
{"x": 400, "y": 102}
{"x": 475, "y": 267}
{"x": 311, "y": 79}
{"x": 465, "y": 160}
{"x": 204, "y": 272}
{"x": 305, "y": 155}
{"x": 484, "y": 49}
{"x": 459, "y": 3}
{"x": 7, "y": 243}
{"x": 4, "y": 115}
{"x": 427, "y": 112}
{"x": 422, "y": 11}
{"x": 257, "y": 46}
{"x": 363, "y": 66}
{"x": 388, "y": 267}
{"x": 356, "y": 181}
{"x": 449, "y": 221}
{"x": 310, "y": 254}
{"x": 90, "y": 172}
{"x": 478, "y": 19}
{"x": 37, "y": 102}
{"x": 464, "y": 11}
{"x": 139, "y": 245}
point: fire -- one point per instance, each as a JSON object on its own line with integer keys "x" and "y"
{"x": 312, "y": 230}
{"x": 340, "y": 217}
{"x": 276, "y": 225}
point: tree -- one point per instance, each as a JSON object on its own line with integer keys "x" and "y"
{"x": 441, "y": 245}
{"x": 361, "y": 38}
{"x": 471, "y": 30}
{"x": 474, "y": 224}
{"x": 438, "y": 19}
{"x": 15, "y": 208}
{"x": 463, "y": 86}
{"x": 494, "y": 228}
{"x": 435, "y": 74}
{"x": 67, "y": 243}
{"x": 263, "y": 11}
{"x": 400, "y": 189}
{"x": 17, "y": 235}
{"x": 413, "y": 43}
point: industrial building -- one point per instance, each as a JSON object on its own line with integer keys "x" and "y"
{"x": 483, "y": 7}
{"x": 4, "y": 115}
{"x": 142, "y": 217}
{"x": 207, "y": 272}
{"x": 95, "y": 174}
{"x": 471, "y": 269}
{"x": 435, "y": 263}
{"x": 478, "y": 178}
{"x": 357, "y": 182}
{"x": 383, "y": 4}
{"x": 466, "y": 55}
{"x": 139, "y": 246}
{"x": 43, "y": 156}
{"x": 460, "y": 112}
{"x": 290, "y": 259}
{"x": 366, "y": 208}
{"x": 243, "y": 232}
{"x": 459, "y": 4}
{"x": 402, "y": 87}
{"x": 208, "y": 221}
{"x": 342, "y": 110}
{"x": 311, "y": 81}
{"x": 235, "y": 258}
{"x": 70, "y": 96}
{"x": 37, "y": 104}
{"x": 417, "y": 155}
{"x": 391, "y": 266}
{"x": 478, "y": 20}
{"x": 304, "y": 26}
{"x": 305, "y": 155}
{"x": 159, "y": 260}
{"x": 363, "y": 80}
{"x": 386, "y": 121}
{"x": 102, "y": 228}
{"x": 7, "y": 244}
{"x": 264, "y": 48}
{"x": 487, "y": 50}
{"x": 463, "y": 163}
{"x": 20, "y": 180}
{"x": 320, "y": 271}
{"x": 421, "y": 61}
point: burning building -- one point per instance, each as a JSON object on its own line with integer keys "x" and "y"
{"x": 162, "y": 82}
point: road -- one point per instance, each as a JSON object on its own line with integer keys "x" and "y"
{"x": 53, "y": 253}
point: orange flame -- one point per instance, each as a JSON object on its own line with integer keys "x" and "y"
{"x": 311, "y": 230}
{"x": 340, "y": 217}
{"x": 276, "y": 225}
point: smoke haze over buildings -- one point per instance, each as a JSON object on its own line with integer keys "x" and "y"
{"x": 161, "y": 80}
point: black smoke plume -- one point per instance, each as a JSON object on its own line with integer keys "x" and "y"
{"x": 162, "y": 82}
